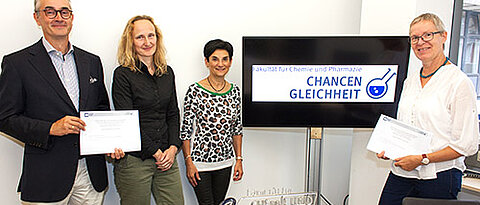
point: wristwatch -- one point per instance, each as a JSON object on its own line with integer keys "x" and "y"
{"x": 425, "y": 159}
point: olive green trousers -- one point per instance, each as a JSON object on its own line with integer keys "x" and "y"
{"x": 136, "y": 180}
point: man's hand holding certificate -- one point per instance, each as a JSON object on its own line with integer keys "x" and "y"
{"x": 398, "y": 139}
{"x": 107, "y": 130}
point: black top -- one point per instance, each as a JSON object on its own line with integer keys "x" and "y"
{"x": 155, "y": 98}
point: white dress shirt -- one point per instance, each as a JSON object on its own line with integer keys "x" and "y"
{"x": 445, "y": 106}
{"x": 66, "y": 69}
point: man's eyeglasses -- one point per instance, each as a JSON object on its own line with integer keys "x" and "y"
{"x": 425, "y": 37}
{"x": 51, "y": 13}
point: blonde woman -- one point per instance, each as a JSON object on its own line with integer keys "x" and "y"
{"x": 145, "y": 82}
{"x": 440, "y": 99}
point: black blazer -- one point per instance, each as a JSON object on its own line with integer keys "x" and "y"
{"x": 32, "y": 98}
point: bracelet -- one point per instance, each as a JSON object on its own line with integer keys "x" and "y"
{"x": 188, "y": 156}
{"x": 239, "y": 158}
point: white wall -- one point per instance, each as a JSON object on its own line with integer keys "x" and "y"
{"x": 335, "y": 165}
{"x": 274, "y": 158}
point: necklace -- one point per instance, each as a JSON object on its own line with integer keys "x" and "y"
{"x": 224, "y": 83}
{"x": 430, "y": 75}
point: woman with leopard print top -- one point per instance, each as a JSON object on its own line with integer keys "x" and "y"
{"x": 212, "y": 129}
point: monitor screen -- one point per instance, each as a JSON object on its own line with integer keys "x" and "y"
{"x": 322, "y": 81}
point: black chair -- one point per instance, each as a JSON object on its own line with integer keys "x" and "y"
{"x": 422, "y": 201}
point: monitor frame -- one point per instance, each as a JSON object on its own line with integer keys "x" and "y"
{"x": 288, "y": 50}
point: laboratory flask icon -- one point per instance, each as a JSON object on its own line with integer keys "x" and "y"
{"x": 378, "y": 87}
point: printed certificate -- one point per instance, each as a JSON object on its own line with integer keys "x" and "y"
{"x": 107, "y": 130}
{"x": 398, "y": 139}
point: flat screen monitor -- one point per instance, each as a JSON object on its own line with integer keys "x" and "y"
{"x": 345, "y": 81}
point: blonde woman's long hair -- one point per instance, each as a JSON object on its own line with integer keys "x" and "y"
{"x": 127, "y": 56}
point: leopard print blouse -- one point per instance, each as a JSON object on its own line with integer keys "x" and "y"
{"x": 210, "y": 121}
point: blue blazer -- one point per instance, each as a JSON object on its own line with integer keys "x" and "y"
{"x": 32, "y": 98}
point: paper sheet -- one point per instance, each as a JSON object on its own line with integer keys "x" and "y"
{"x": 107, "y": 130}
{"x": 398, "y": 139}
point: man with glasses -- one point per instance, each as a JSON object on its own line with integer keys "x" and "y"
{"x": 42, "y": 89}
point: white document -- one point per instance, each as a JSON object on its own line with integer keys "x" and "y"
{"x": 107, "y": 130}
{"x": 398, "y": 139}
